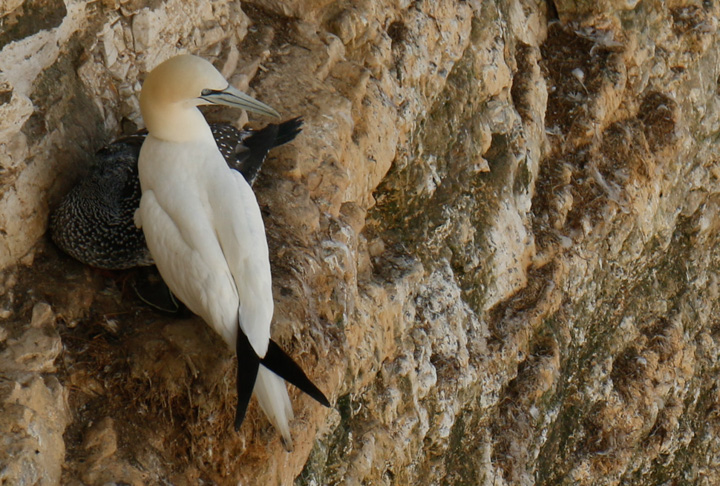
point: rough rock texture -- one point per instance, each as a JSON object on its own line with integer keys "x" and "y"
{"x": 494, "y": 245}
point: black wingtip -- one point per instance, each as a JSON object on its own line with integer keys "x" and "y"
{"x": 288, "y": 130}
{"x": 247, "y": 370}
{"x": 277, "y": 361}
{"x": 258, "y": 145}
{"x": 260, "y": 142}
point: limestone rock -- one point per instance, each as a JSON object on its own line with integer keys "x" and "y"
{"x": 33, "y": 415}
{"x": 35, "y": 350}
{"x": 102, "y": 467}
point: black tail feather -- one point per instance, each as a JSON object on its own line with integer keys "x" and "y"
{"x": 277, "y": 361}
{"x": 257, "y": 147}
{"x": 288, "y": 130}
{"x": 247, "y": 370}
{"x": 260, "y": 142}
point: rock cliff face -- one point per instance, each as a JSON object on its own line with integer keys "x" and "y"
{"x": 494, "y": 245}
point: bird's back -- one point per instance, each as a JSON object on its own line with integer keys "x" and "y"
{"x": 205, "y": 231}
{"x": 94, "y": 221}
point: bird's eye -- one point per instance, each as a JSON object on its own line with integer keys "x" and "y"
{"x": 206, "y": 92}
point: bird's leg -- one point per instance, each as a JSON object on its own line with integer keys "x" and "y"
{"x": 152, "y": 290}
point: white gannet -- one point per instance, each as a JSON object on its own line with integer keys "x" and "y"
{"x": 205, "y": 232}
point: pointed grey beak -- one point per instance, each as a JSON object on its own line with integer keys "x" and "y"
{"x": 231, "y": 96}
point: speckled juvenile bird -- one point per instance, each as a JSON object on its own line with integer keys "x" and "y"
{"x": 94, "y": 222}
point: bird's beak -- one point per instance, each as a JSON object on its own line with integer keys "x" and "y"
{"x": 231, "y": 96}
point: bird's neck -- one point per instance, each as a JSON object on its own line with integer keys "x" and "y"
{"x": 176, "y": 123}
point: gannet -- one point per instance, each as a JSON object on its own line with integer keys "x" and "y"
{"x": 94, "y": 221}
{"x": 205, "y": 232}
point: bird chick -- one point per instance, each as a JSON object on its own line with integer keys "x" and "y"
{"x": 94, "y": 221}
{"x": 204, "y": 229}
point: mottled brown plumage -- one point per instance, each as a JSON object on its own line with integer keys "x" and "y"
{"x": 94, "y": 222}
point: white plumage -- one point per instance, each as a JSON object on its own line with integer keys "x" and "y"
{"x": 202, "y": 222}
{"x": 207, "y": 237}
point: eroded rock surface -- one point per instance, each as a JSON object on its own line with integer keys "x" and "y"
{"x": 493, "y": 245}
{"x": 33, "y": 403}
